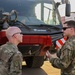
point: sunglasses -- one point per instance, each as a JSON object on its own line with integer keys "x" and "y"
{"x": 16, "y": 33}
{"x": 64, "y": 28}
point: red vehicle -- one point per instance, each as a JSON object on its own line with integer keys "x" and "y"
{"x": 40, "y": 23}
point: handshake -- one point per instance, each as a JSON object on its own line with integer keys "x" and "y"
{"x": 48, "y": 54}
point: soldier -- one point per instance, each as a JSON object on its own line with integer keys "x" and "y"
{"x": 10, "y": 57}
{"x": 65, "y": 58}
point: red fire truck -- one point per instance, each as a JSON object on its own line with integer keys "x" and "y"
{"x": 40, "y": 23}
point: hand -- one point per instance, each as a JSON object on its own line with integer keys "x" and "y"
{"x": 53, "y": 55}
{"x": 48, "y": 54}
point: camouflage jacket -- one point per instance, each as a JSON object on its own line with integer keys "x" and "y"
{"x": 66, "y": 58}
{"x": 10, "y": 60}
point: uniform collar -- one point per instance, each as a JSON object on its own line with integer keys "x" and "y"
{"x": 9, "y": 43}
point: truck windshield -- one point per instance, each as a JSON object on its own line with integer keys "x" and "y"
{"x": 32, "y": 12}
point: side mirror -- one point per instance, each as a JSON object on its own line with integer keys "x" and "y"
{"x": 68, "y": 10}
{"x": 64, "y": 9}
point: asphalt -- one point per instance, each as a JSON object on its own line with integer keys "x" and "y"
{"x": 46, "y": 69}
{"x": 33, "y": 71}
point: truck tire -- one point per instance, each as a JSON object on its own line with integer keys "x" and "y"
{"x": 34, "y": 61}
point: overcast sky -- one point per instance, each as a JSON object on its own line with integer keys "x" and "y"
{"x": 72, "y": 5}
{"x": 72, "y": 2}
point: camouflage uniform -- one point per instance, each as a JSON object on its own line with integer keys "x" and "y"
{"x": 10, "y": 60}
{"x": 66, "y": 58}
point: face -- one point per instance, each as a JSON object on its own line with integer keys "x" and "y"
{"x": 19, "y": 37}
{"x": 67, "y": 30}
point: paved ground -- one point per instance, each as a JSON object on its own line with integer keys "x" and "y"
{"x": 49, "y": 69}
{"x": 46, "y": 69}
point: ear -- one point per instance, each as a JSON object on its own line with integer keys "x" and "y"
{"x": 72, "y": 28}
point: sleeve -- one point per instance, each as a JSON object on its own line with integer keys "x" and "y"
{"x": 65, "y": 57}
{"x": 5, "y": 55}
{"x": 16, "y": 64}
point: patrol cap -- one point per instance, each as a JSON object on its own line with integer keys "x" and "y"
{"x": 12, "y": 30}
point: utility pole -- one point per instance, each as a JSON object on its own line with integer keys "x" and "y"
{"x": 64, "y": 1}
